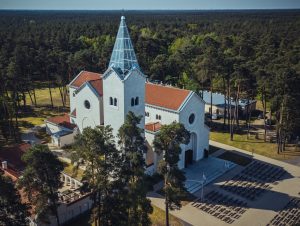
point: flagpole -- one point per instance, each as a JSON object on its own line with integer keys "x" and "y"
{"x": 203, "y": 179}
{"x": 202, "y": 192}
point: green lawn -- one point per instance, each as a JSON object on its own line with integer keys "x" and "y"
{"x": 37, "y": 115}
{"x": 157, "y": 219}
{"x": 255, "y": 145}
{"x": 43, "y": 97}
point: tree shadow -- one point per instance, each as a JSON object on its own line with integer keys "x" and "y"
{"x": 235, "y": 157}
{"x": 290, "y": 153}
{"x": 248, "y": 141}
{"x": 25, "y": 124}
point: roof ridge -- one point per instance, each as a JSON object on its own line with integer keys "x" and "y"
{"x": 168, "y": 86}
{"x": 92, "y": 80}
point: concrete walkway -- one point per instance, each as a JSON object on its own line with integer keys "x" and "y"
{"x": 260, "y": 212}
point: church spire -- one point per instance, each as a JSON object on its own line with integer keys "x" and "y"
{"x": 123, "y": 55}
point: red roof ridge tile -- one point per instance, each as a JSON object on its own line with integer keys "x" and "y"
{"x": 167, "y": 86}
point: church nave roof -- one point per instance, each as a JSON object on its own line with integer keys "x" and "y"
{"x": 84, "y": 76}
{"x": 165, "y": 96}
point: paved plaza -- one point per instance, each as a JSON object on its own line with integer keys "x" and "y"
{"x": 205, "y": 171}
{"x": 263, "y": 192}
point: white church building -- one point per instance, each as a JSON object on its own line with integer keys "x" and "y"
{"x": 105, "y": 99}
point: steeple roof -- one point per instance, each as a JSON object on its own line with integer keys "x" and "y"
{"x": 123, "y": 55}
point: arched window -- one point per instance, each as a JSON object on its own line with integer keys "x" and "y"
{"x": 147, "y": 114}
{"x": 159, "y": 117}
{"x": 115, "y": 102}
{"x": 156, "y": 116}
{"x": 111, "y": 102}
{"x": 137, "y": 101}
{"x": 132, "y": 101}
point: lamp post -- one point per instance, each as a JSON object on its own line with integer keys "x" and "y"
{"x": 203, "y": 180}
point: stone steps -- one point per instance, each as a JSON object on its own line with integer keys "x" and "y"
{"x": 209, "y": 178}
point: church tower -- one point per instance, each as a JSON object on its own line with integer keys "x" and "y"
{"x": 123, "y": 83}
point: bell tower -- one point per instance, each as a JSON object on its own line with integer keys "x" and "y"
{"x": 123, "y": 83}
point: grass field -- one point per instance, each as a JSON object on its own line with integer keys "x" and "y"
{"x": 255, "y": 145}
{"x": 36, "y": 115}
{"x": 157, "y": 219}
{"x": 43, "y": 97}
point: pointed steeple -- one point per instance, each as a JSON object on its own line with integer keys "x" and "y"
{"x": 123, "y": 55}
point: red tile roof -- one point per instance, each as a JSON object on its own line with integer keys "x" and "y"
{"x": 73, "y": 113}
{"x": 98, "y": 86}
{"x": 63, "y": 120}
{"x": 153, "y": 126}
{"x": 13, "y": 156}
{"x": 85, "y": 76}
{"x": 165, "y": 96}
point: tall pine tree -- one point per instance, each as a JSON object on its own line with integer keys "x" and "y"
{"x": 133, "y": 146}
{"x": 167, "y": 143}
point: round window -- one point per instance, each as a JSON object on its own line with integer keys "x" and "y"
{"x": 192, "y": 118}
{"x": 87, "y": 104}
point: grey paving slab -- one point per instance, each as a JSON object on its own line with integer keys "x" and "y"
{"x": 259, "y": 212}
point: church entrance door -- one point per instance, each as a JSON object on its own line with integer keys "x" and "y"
{"x": 188, "y": 157}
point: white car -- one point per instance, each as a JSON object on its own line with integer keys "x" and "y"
{"x": 214, "y": 117}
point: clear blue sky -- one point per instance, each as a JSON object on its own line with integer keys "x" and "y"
{"x": 149, "y": 4}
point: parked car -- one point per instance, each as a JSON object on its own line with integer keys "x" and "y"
{"x": 215, "y": 116}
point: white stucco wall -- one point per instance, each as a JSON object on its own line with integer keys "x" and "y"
{"x": 113, "y": 116}
{"x": 194, "y": 105}
{"x": 123, "y": 90}
{"x": 55, "y": 140}
{"x": 135, "y": 87}
{"x": 72, "y": 98}
{"x": 167, "y": 116}
{"x": 88, "y": 117}
{"x": 63, "y": 140}
{"x": 67, "y": 212}
{"x": 67, "y": 139}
